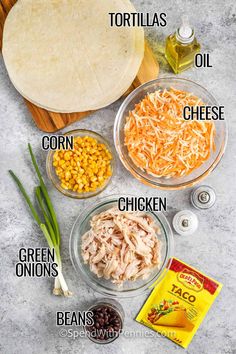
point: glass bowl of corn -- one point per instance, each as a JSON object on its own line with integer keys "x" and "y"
{"x": 84, "y": 171}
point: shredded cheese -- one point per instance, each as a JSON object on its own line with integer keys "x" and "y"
{"x": 161, "y": 142}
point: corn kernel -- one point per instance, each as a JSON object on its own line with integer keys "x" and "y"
{"x": 67, "y": 155}
{"x": 61, "y": 162}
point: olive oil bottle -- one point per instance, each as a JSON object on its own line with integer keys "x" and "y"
{"x": 181, "y": 47}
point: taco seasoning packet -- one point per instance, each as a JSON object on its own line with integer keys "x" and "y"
{"x": 179, "y": 303}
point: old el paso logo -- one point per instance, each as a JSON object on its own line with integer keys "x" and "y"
{"x": 190, "y": 279}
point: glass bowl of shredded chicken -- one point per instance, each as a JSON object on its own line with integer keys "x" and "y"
{"x": 120, "y": 253}
{"x": 161, "y": 148}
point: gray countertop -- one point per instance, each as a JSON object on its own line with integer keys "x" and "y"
{"x": 28, "y": 310}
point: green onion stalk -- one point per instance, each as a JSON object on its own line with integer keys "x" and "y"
{"x": 47, "y": 222}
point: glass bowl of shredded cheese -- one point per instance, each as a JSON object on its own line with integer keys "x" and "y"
{"x": 85, "y": 170}
{"x": 160, "y": 147}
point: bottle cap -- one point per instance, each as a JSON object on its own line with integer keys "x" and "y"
{"x": 185, "y": 34}
{"x": 185, "y": 222}
{"x": 203, "y": 197}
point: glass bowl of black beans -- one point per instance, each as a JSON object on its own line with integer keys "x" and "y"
{"x": 108, "y": 318}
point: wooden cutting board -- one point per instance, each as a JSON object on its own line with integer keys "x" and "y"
{"x": 50, "y": 121}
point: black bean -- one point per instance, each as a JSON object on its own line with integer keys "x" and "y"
{"x": 101, "y": 321}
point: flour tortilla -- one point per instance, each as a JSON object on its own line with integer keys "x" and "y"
{"x": 64, "y": 56}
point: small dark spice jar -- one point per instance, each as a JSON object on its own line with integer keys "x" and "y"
{"x": 108, "y": 317}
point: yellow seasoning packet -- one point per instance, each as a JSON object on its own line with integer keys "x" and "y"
{"x": 179, "y": 303}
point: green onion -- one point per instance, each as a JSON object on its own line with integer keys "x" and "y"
{"x": 48, "y": 223}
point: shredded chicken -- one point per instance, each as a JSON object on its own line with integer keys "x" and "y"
{"x": 122, "y": 246}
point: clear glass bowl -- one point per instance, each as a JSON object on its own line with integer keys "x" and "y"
{"x": 114, "y": 305}
{"x": 106, "y": 287}
{"x": 55, "y": 179}
{"x": 171, "y": 183}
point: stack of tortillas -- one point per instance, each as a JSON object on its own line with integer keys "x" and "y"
{"x": 64, "y": 56}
